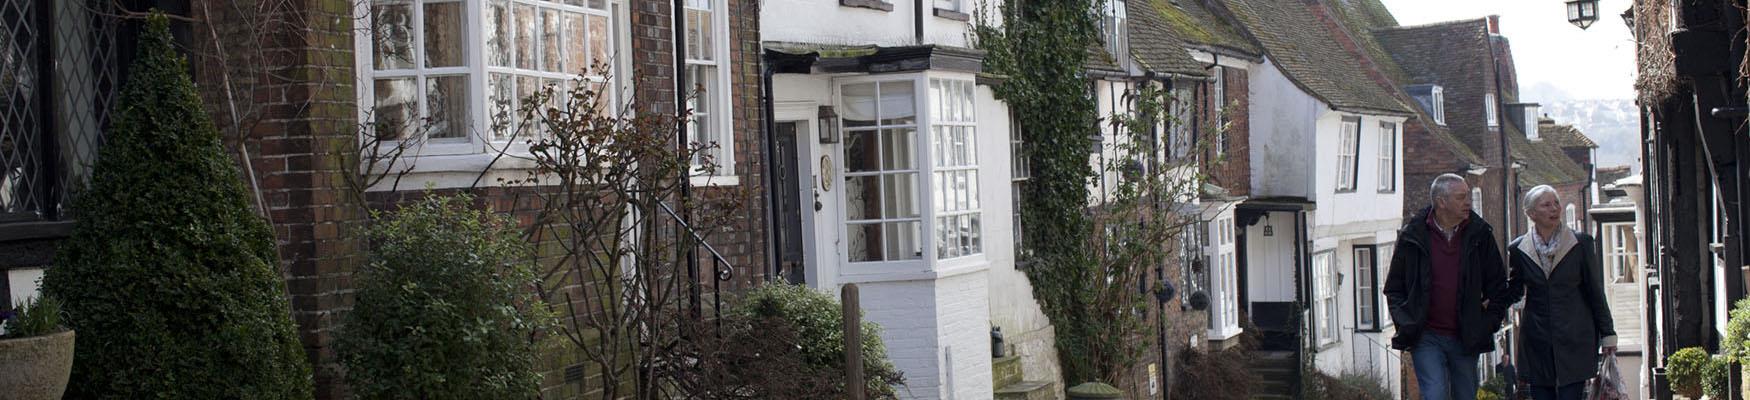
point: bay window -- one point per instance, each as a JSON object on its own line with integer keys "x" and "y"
{"x": 451, "y": 74}
{"x": 887, "y": 164}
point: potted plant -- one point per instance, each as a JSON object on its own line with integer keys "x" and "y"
{"x": 35, "y": 351}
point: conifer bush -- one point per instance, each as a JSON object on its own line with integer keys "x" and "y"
{"x": 445, "y": 307}
{"x": 169, "y": 277}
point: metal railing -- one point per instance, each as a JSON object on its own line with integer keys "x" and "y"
{"x": 721, "y": 268}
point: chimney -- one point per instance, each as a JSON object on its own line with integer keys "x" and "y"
{"x": 1494, "y": 24}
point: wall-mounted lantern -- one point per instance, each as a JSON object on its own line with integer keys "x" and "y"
{"x": 829, "y": 125}
{"x": 1582, "y": 13}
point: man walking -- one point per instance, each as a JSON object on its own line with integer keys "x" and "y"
{"x": 1447, "y": 291}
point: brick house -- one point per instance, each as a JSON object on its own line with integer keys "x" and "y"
{"x": 292, "y": 85}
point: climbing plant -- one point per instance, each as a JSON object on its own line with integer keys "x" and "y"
{"x": 1105, "y": 220}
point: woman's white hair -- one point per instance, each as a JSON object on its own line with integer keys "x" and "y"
{"x": 1536, "y": 193}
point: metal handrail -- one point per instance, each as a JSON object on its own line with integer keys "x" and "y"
{"x": 725, "y": 270}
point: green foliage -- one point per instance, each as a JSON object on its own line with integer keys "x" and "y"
{"x": 445, "y": 307}
{"x": 1087, "y": 261}
{"x": 1736, "y": 344}
{"x": 1714, "y": 376}
{"x": 34, "y": 318}
{"x": 1494, "y": 388}
{"x": 169, "y": 277}
{"x": 1686, "y": 370}
{"x": 814, "y": 321}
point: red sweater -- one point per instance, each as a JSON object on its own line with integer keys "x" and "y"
{"x": 1443, "y": 296}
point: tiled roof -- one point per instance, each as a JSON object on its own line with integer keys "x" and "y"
{"x": 1311, "y": 55}
{"x": 1454, "y": 55}
{"x": 1609, "y": 175}
{"x": 1156, "y": 45}
{"x": 1362, "y": 18}
{"x": 1564, "y": 136}
{"x": 1545, "y": 164}
{"x": 1194, "y": 23}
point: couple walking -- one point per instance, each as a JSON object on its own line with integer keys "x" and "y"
{"x": 1448, "y": 291}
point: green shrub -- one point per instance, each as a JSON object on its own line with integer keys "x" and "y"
{"x": 1736, "y": 344}
{"x": 33, "y": 318}
{"x": 814, "y": 321}
{"x": 1714, "y": 377}
{"x": 170, "y": 278}
{"x": 445, "y": 307}
{"x": 1495, "y": 387}
{"x": 1685, "y": 368}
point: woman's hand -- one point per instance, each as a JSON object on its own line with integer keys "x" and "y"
{"x": 1608, "y": 350}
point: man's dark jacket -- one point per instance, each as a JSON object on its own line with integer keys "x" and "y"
{"x": 1482, "y": 290}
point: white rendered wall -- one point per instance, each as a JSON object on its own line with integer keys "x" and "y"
{"x": 1282, "y": 130}
{"x": 827, "y": 22}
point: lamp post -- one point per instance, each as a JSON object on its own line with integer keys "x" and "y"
{"x": 1582, "y": 13}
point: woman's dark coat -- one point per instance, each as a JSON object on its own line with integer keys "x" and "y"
{"x": 1566, "y": 314}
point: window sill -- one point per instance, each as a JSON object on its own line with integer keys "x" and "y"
{"x": 953, "y": 15}
{"x": 1345, "y": 191}
{"x": 1389, "y": 191}
{"x": 1328, "y": 346}
{"x": 876, "y": 5}
{"x": 714, "y": 180}
{"x": 451, "y": 171}
{"x": 903, "y": 276}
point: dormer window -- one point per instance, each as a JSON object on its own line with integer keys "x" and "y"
{"x": 1432, "y": 98}
{"x": 1489, "y": 110}
{"x": 1114, "y": 31}
{"x": 1530, "y": 115}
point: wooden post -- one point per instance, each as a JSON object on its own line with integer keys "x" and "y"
{"x": 853, "y": 312}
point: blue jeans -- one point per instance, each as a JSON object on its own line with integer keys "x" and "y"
{"x": 1444, "y": 371}
{"x": 1572, "y": 391}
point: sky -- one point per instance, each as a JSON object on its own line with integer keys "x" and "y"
{"x": 1556, "y": 60}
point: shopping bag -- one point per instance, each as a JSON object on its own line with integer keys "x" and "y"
{"x": 1608, "y": 384}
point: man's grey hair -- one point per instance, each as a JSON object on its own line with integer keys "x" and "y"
{"x": 1443, "y": 186}
{"x": 1536, "y": 193}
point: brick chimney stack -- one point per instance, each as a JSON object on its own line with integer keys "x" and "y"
{"x": 1494, "y": 24}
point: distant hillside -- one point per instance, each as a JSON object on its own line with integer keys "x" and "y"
{"x": 1613, "y": 124}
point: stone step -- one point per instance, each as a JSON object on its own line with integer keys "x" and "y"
{"x": 1027, "y": 390}
{"x": 1272, "y": 397}
{"x": 1005, "y": 371}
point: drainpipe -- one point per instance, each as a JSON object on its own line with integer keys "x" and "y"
{"x": 918, "y": 22}
{"x": 688, "y": 253}
{"x": 1508, "y": 173}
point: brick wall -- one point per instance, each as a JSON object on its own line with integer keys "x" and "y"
{"x": 1234, "y": 172}
{"x": 289, "y": 67}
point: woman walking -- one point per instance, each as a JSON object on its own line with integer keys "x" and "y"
{"x": 1566, "y": 322}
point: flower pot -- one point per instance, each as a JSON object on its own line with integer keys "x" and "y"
{"x": 36, "y": 367}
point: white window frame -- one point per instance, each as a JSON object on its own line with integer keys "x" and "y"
{"x": 1439, "y": 95}
{"x": 1114, "y": 32}
{"x": 475, "y": 149}
{"x": 1367, "y": 289}
{"x": 1218, "y": 97}
{"x": 1224, "y": 297}
{"x": 1530, "y": 114}
{"x": 1388, "y": 157}
{"x": 948, "y": 5}
{"x": 923, "y": 166}
{"x": 1382, "y": 254}
{"x": 948, "y": 201}
{"x": 1019, "y": 173}
{"x": 717, "y": 96}
{"x": 1348, "y": 161}
{"x": 1325, "y": 317}
{"x": 1489, "y": 110}
{"x": 1476, "y": 200}
{"x": 1571, "y": 215}
{"x": 1621, "y": 255}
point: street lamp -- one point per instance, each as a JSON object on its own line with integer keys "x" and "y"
{"x": 1582, "y": 13}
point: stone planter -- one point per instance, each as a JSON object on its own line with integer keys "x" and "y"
{"x": 36, "y": 367}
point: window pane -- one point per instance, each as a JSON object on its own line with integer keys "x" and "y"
{"x": 862, "y": 197}
{"x": 899, "y": 195}
{"x": 897, "y": 149}
{"x": 598, "y": 38}
{"x": 550, "y": 41}
{"x": 526, "y": 87}
{"x": 902, "y": 241}
{"x": 858, "y": 105}
{"x": 392, "y": 34}
{"x": 864, "y": 242}
{"x": 397, "y": 108}
{"x": 525, "y": 22}
{"x": 576, "y": 54}
{"x": 497, "y": 34}
{"x": 445, "y": 40}
{"x": 447, "y": 103}
{"x": 501, "y": 105}
{"x": 898, "y": 103}
{"x": 861, "y": 152}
